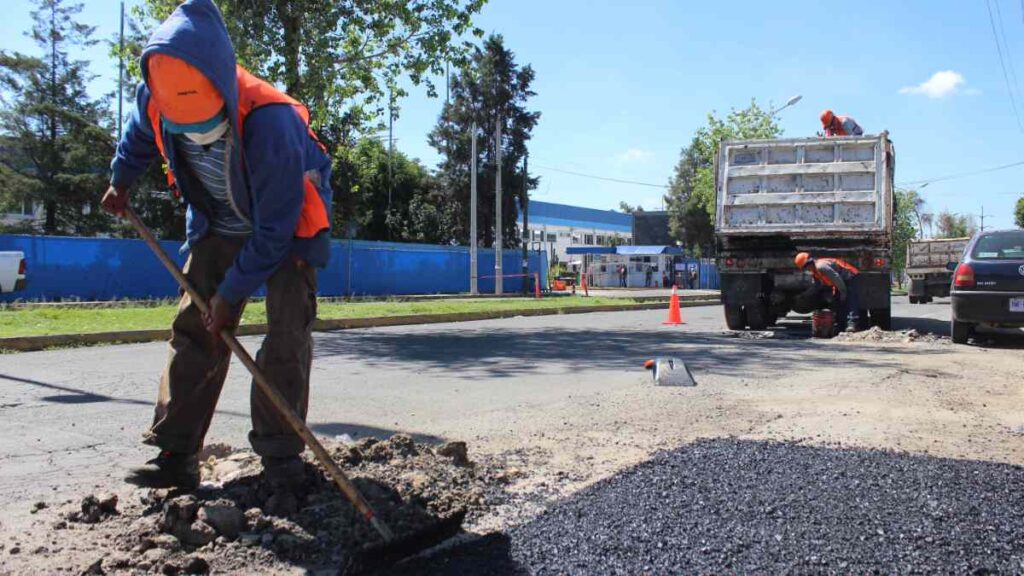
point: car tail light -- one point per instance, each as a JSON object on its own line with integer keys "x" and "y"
{"x": 879, "y": 262}
{"x": 22, "y": 267}
{"x": 964, "y": 277}
{"x": 729, "y": 262}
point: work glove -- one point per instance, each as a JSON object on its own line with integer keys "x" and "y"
{"x": 115, "y": 200}
{"x": 222, "y": 315}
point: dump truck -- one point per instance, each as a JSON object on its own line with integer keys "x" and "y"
{"x": 928, "y": 267}
{"x": 831, "y": 197}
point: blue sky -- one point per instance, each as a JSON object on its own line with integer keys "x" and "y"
{"x": 623, "y": 86}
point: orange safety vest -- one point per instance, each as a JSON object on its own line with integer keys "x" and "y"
{"x": 841, "y": 263}
{"x": 254, "y": 93}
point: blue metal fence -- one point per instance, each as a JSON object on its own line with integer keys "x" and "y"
{"x": 707, "y": 273}
{"x": 96, "y": 269}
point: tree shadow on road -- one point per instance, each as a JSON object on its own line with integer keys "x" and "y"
{"x": 512, "y": 352}
{"x": 357, "y": 431}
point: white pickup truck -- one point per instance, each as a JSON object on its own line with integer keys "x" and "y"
{"x": 12, "y": 272}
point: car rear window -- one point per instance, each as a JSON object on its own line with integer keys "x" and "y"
{"x": 1004, "y": 245}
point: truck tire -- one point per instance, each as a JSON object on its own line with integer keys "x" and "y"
{"x": 914, "y": 299}
{"x": 735, "y": 319}
{"x": 960, "y": 331}
{"x": 881, "y": 317}
{"x": 757, "y": 316}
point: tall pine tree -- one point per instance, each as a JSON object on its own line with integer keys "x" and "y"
{"x": 491, "y": 88}
{"x": 56, "y": 140}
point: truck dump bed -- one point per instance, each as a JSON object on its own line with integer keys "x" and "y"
{"x": 806, "y": 188}
{"x": 933, "y": 255}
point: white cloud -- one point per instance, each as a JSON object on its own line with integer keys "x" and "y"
{"x": 635, "y": 155}
{"x": 940, "y": 85}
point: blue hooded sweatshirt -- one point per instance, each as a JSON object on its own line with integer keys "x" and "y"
{"x": 266, "y": 172}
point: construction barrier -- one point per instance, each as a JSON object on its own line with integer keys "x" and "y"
{"x": 100, "y": 269}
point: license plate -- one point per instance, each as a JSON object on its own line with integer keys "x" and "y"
{"x": 1016, "y": 304}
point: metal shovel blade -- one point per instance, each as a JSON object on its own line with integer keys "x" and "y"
{"x": 672, "y": 372}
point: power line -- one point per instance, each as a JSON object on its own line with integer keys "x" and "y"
{"x": 1009, "y": 53}
{"x": 926, "y": 181}
{"x": 919, "y": 182}
{"x": 1002, "y": 64}
{"x": 605, "y": 178}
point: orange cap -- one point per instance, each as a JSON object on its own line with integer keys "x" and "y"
{"x": 183, "y": 94}
{"x": 826, "y": 117}
{"x": 801, "y": 260}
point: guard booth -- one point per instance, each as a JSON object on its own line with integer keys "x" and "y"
{"x": 645, "y": 266}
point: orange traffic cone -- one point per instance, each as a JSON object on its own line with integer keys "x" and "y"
{"x": 674, "y": 315}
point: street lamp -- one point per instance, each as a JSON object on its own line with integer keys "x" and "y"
{"x": 790, "y": 102}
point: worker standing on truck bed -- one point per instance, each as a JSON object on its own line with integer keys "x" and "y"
{"x": 256, "y": 183}
{"x": 839, "y": 125}
{"x": 841, "y": 277}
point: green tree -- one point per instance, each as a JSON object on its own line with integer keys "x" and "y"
{"x": 491, "y": 87}
{"x": 691, "y": 197}
{"x": 628, "y": 209}
{"x": 56, "y": 139}
{"x": 955, "y": 225}
{"x": 915, "y": 204}
{"x": 393, "y": 197}
{"x": 1018, "y": 213}
{"x": 902, "y": 229}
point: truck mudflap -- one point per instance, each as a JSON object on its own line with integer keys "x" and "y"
{"x": 875, "y": 290}
{"x": 739, "y": 289}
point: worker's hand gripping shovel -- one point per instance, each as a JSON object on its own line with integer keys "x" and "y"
{"x": 264, "y": 385}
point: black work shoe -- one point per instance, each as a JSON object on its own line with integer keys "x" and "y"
{"x": 167, "y": 470}
{"x": 284, "y": 477}
{"x": 286, "y": 473}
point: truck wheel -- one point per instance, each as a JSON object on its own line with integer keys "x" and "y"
{"x": 757, "y": 316}
{"x": 881, "y": 317}
{"x": 926, "y": 300}
{"x": 914, "y": 299}
{"x": 960, "y": 331}
{"x": 735, "y": 319}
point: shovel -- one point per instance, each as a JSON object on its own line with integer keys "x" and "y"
{"x": 391, "y": 548}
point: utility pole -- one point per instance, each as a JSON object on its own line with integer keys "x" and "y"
{"x": 120, "y": 76}
{"x": 391, "y": 149}
{"x": 982, "y": 217}
{"x": 499, "y": 285}
{"x": 525, "y": 202}
{"x": 472, "y": 214}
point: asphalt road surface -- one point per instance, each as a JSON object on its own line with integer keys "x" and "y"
{"x": 733, "y": 506}
{"x": 567, "y": 391}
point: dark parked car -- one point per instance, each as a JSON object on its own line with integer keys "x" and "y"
{"x": 988, "y": 284}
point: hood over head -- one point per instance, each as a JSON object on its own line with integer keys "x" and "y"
{"x": 195, "y": 33}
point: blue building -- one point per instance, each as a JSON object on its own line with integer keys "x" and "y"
{"x": 556, "y": 227}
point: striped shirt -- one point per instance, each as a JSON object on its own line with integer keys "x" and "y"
{"x": 207, "y": 163}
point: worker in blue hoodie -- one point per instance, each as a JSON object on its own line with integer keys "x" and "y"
{"x": 255, "y": 181}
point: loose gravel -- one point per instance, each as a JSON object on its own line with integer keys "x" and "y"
{"x": 728, "y": 505}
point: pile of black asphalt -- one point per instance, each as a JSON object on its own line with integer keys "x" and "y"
{"x": 728, "y": 505}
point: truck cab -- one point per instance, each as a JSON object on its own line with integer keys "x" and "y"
{"x": 13, "y": 272}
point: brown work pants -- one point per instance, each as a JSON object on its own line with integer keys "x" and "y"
{"x": 198, "y": 364}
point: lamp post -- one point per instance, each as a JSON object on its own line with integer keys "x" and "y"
{"x": 792, "y": 100}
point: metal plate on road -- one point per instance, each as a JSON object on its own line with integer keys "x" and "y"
{"x": 1016, "y": 304}
{"x": 672, "y": 372}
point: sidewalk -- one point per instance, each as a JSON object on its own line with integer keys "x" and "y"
{"x": 649, "y": 292}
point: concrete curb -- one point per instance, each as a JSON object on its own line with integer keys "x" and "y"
{"x": 35, "y": 343}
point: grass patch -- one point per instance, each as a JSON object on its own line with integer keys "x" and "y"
{"x": 41, "y": 321}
